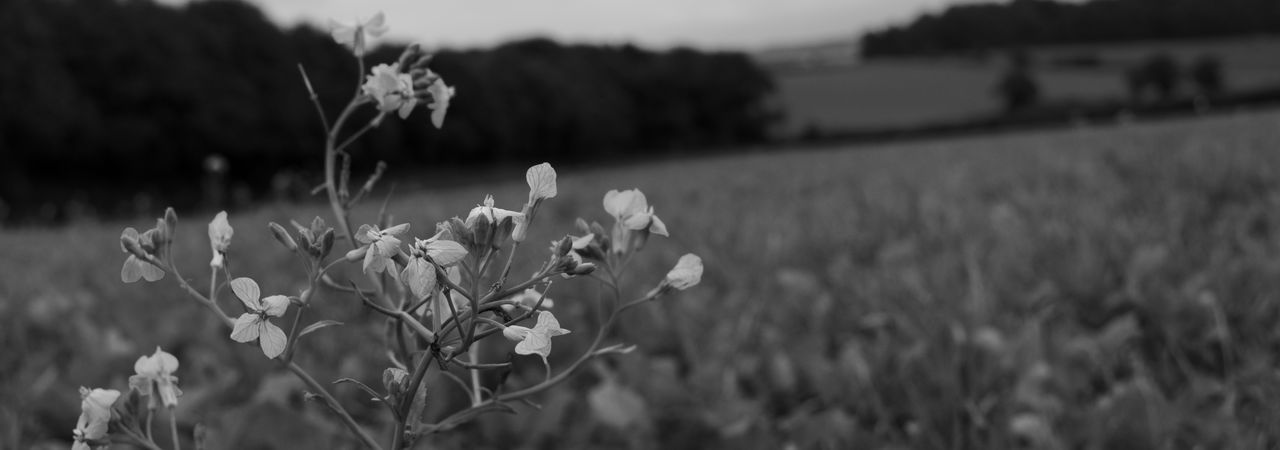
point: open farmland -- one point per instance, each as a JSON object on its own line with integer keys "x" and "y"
{"x": 1091, "y": 288}
{"x": 914, "y": 91}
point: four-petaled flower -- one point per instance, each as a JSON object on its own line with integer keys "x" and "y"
{"x": 686, "y": 273}
{"x": 155, "y": 375}
{"x": 489, "y": 213}
{"x": 633, "y": 211}
{"x": 95, "y": 414}
{"x": 419, "y": 273}
{"x": 536, "y": 341}
{"x": 356, "y": 37}
{"x": 136, "y": 268}
{"x": 255, "y": 324}
{"x": 392, "y": 89}
{"x": 383, "y": 245}
{"x": 441, "y": 94}
{"x": 220, "y": 232}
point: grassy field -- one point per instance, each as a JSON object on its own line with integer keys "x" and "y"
{"x": 1094, "y": 288}
{"x": 916, "y": 91}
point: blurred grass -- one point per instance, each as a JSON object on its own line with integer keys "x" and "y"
{"x": 912, "y": 92}
{"x": 1092, "y": 288}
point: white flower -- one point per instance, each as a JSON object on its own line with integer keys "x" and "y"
{"x": 383, "y": 246}
{"x": 542, "y": 182}
{"x": 536, "y": 341}
{"x": 493, "y": 215}
{"x": 356, "y": 37}
{"x": 686, "y": 273}
{"x": 220, "y": 232}
{"x": 155, "y": 374}
{"x": 392, "y": 89}
{"x": 135, "y": 268}
{"x": 420, "y": 274}
{"x": 95, "y": 414}
{"x": 632, "y": 210}
{"x": 441, "y": 94}
{"x": 255, "y": 324}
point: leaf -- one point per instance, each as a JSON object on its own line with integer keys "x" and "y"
{"x": 317, "y": 326}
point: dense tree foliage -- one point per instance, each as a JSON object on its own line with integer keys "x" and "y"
{"x": 979, "y": 26}
{"x": 127, "y": 89}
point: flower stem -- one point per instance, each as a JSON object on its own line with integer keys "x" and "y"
{"x": 333, "y": 405}
{"x": 475, "y": 374}
{"x": 173, "y": 427}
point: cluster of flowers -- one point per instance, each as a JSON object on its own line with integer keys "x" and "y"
{"x": 104, "y": 409}
{"x": 418, "y": 285}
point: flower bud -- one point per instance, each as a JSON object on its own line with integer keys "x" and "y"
{"x": 393, "y": 380}
{"x": 282, "y": 236}
{"x": 130, "y": 244}
{"x": 326, "y": 242}
{"x": 562, "y": 247}
{"x": 686, "y": 274}
{"x": 357, "y": 254}
{"x": 584, "y": 269}
{"x": 170, "y": 222}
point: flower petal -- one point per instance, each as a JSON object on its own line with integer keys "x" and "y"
{"x": 363, "y": 234}
{"x": 150, "y": 272}
{"x": 275, "y": 305}
{"x": 145, "y": 366}
{"x": 686, "y": 273}
{"x": 445, "y": 252}
{"x": 166, "y": 362}
{"x": 420, "y": 275}
{"x": 131, "y": 271}
{"x": 396, "y": 230}
{"x": 657, "y": 227}
{"x": 246, "y": 328}
{"x": 516, "y": 333}
{"x": 534, "y": 343}
{"x": 272, "y": 339}
{"x": 247, "y": 291}
{"x": 615, "y": 202}
{"x": 638, "y": 222}
{"x": 542, "y": 182}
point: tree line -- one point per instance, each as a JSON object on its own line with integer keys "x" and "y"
{"x": 99, "y": 91}
{"x": 982, "y": 26}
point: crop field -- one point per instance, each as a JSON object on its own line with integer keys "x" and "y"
{"x": 1102, "y": 288}
{"x": 910, "y": 92}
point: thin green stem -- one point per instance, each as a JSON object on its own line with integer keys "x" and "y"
{"x": 475, "y": 375}
{"x": 150, "y": 412}
{"x": 332, "y": 403}
{"x": 173, "y": 427}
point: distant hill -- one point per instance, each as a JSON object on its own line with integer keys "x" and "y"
{"x": 985, "y": 26}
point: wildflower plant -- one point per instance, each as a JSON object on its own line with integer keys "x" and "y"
{"x": 452, "y": 290}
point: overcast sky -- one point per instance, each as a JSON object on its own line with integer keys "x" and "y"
{"x": 742, "y": 24}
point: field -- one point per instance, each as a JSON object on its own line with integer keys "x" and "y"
{"x": 1106, "y": 288}
{"x": 908, "y": 92}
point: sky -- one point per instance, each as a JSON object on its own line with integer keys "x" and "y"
{"x": 708, "y": 24}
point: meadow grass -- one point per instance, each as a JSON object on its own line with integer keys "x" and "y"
{"x": 914, "y": 91}
{"x": 1088, "y": 288}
